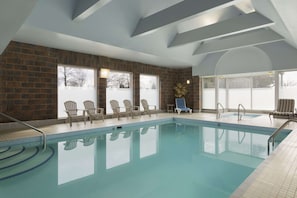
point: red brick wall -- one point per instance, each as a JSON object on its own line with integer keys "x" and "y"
{"x": 28, "y": 79}
{"x": 29, "y": 82}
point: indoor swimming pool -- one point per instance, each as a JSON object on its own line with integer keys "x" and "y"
{"x": 179, "y": 158}
{"x": 242, "y": 116}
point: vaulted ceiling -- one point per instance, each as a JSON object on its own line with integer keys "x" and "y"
{"x": 169, "y": 33}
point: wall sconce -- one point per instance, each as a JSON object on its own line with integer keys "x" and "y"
{"x": 104, "y": 73}
{"x": 188, "y": 82}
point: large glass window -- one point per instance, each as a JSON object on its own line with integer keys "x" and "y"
{"x": 77, "y": 84}
{"x": 149, "y": 89}
{"x": 263, "y": 92}
{"x": 239, "y": 92}
{"x": 119, "y": 87}
{"x": 208, "y": 93}
{"x": 288, "y": 85}
{"x": 222, "y": 92}
{"x": 253, "y": 91}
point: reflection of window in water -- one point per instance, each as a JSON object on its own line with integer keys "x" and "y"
{"x": 118, "y": 79}
{"x": 209, "y": 140}
{"x": 231, "y": 142}
{"x": 118, "y": 148}
{"x": 76, "y": 159}
{"x": 149, "y": 138}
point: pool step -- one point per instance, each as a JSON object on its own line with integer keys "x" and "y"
{"x": 19, "y": 160}
{"x": 9, "y": 152}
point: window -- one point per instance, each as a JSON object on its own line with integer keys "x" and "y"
{"x": 149, "y": 89}
{"x": 288, "y": 85}
{"x": 253, "y": 91}
{"x": 77, "y": 84}
{"x": 239, "y": 92}
{"x": 208, "y": 93}
{"x": 222, "y": 92}
{"x": 263, "y": 92}
{"x": 119, "y": 87}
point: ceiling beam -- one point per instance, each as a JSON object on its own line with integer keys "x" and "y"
{"x": 251, "y": 38}
{"x": 86, "y": 8}
{"x": 177, "y": 12}
{"x": 242, "y": 23}
{"x": 13, "y": 14}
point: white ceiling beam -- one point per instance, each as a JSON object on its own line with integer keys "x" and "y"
{"x": 85, "y": 8}
{"x": 13, "y": 14}
{"x": 242, "y": 23}
{"x": 178, "y": 12}
{"x": 251, "y": 38}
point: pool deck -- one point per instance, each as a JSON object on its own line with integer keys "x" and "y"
{"x": 275, "y": 177}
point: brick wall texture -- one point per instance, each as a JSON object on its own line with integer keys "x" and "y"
{"x": 28, "y": 80}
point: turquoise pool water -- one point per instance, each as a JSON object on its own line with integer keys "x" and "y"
{"x": 172, "y": 159}
{"x": 235, "y": 115}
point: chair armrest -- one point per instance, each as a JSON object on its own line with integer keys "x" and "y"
{"x": 70, "y": 114}
{"x": 155, "y": 107}
{"x": 100, "y": 110}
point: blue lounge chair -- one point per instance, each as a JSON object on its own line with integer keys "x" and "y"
{"x": 180, "y": 104}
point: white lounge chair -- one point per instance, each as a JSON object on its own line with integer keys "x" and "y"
{"x": 116, "y": 108}
{"x": 71, "y": 110}
{"x": 130, "y": 109}
{"x": 92, "y": 112}
{"x": 147, "y": 108}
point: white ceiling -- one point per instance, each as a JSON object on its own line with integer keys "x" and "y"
{"x": 169, "y": 33}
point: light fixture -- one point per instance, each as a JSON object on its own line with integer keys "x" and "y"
{"x": 188, "y": 82}
{"x": 104, "y": 73}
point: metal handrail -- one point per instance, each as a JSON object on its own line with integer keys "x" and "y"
{"x": 30, "y": 126}
{"x": 276, "y": 132}
{"x": 238, "y": 111}
{"x": 218, "y": 110}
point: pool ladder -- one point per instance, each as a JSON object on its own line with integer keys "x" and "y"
{"x": 30, "y": 126}
{"x": 276, "y": 132}
{"x": 218, "y": 110}
{"x": 239, "y": 116}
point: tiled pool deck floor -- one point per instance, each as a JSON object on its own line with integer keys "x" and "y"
{"x": 275, "y": 177}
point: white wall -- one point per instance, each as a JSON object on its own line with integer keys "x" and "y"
{"x": 266, "y": 57}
